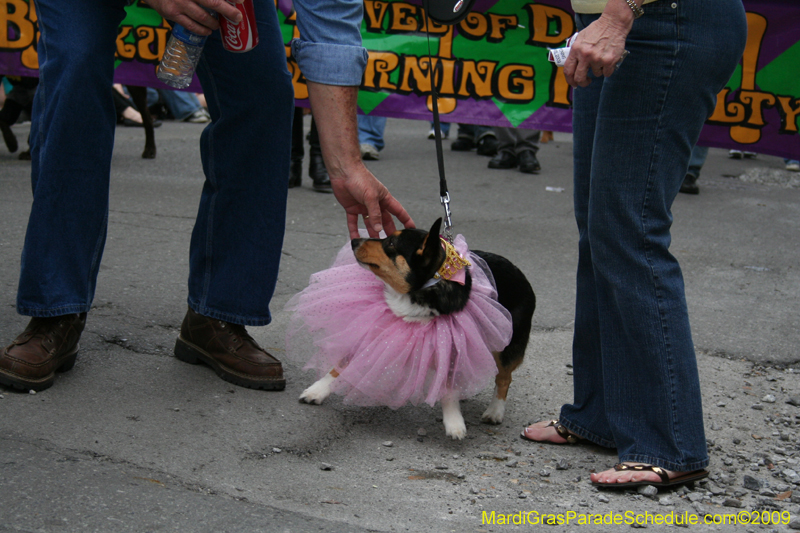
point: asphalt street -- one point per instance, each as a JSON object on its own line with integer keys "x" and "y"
{"x": 132, "y": 439}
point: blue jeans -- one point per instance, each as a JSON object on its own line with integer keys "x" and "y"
{"x": 180, "y": 103}
{"x": 636, "y": 385}
{"x": 237, "y": 238}
{"x": 370, "y": 131}
{"x": 445, "y": 127}
{"x": 697, "y": 160}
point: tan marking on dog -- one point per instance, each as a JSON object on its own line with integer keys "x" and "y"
{"x": 334, "y": 374}
{"x": 503, "y": 379}
{"x": 392, "y": 273}
{"x": 495, "y": 412}
{"x": 424, "y": 242}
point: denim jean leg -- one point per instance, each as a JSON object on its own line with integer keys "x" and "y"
{"x": 370, "y": 131}
{"x": 72, "y": 138}
{"x": 180, "y": 103}
{"x": 647, "y": 117}
{"x": 586, "y": 416}
{"x": 237, "y": 239}
{"x": 697, "y": 160}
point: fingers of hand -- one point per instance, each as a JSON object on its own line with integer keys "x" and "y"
{"x": 352, "y": 225}
{"x": 392, "y": 207}
{"x": 225, "y": 9}
{"x": 388, "y": 223}
{"x": 373, "y": 220}
{"x": 196, "y": 20}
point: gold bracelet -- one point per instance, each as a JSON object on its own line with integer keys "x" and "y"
{"x": 637, "y": 11}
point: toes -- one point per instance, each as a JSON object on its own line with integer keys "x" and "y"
{"x": 456, "y": 432}
{"x": 612, "y": 476}
{"x": 543, "y": 432}
{"x": 495, "y": 413}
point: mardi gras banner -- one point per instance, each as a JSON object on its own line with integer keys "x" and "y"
{"x": 489, "y": 69}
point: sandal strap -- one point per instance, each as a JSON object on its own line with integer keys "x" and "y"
{"x": 620, "y": 467}
{"x": 563, "y": 432}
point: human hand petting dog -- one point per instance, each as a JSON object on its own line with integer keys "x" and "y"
{"x": 354, "y": 186}
{"x": 193, "y": 14}
{"x": 361, "y": 194}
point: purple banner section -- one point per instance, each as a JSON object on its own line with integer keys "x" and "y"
{"x": 490, "y": 69}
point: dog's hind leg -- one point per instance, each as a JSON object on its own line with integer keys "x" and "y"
{"x": 320, "y": 390}
{"x": 454, "y": 425}
{"x": 496, "y": 411}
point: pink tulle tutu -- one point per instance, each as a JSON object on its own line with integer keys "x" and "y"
{"x": 381, "y": 358}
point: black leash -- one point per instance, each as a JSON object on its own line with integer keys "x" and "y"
{"x": 447, "y": 13}
{"x": 444, "y": 195}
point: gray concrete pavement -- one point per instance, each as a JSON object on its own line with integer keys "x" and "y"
{"x": 133, "y": 440}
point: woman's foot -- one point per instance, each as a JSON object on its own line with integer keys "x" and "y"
{"x": 549, "y": 431}
{"x": 626, "y": 475}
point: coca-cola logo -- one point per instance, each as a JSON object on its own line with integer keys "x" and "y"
{"x": 232, "y": 35}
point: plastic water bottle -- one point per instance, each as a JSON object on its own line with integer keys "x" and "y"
{"x": 180, "y": 57}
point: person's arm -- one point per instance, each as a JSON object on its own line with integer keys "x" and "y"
{"x": 601, "y": 45}
{"x": 332, "y": 59}
{"x": 355, "y": 187}
{"x": 193, "y": 14}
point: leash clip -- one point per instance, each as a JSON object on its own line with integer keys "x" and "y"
{"x": 448, "y": 225}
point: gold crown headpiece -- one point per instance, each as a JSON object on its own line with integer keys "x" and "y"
{"x": 453, "y": 262}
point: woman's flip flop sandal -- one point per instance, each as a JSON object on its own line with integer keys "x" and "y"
{"x": 560, "y": 429}
{"x": 687, "y": 477}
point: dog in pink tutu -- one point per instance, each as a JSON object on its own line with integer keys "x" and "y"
{"x": 413, "y": 318}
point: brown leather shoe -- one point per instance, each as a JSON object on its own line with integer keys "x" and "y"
{"x": 48, "y": 345}
{"x": 230, "y": 351}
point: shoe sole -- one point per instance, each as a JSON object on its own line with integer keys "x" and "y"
{"x": 189, "y": 353}
{"x": 20, "y": 383}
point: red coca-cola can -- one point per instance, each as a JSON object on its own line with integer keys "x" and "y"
{"x": 240, "y": 37}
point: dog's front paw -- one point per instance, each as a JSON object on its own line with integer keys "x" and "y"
{"x": 457, "y": 430}
{"x": 495, "y": 413}
{"x": 454, "y": 426}
{"x": 317, "y": 392}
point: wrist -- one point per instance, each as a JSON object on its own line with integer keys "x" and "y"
{"x": 620, "y": 14}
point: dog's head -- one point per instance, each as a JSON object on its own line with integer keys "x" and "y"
{"x": 405, "y": 260}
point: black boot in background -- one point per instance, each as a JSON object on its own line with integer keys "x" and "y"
{"x": 296, "y": 164}
{"x": 316, "y": 166}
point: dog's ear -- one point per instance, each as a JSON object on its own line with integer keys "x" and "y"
{"x": 436, "y": 228}
{"x": 432, "y": 247}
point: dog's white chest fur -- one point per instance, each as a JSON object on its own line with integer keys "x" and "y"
{"x": 402, "y": 306}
